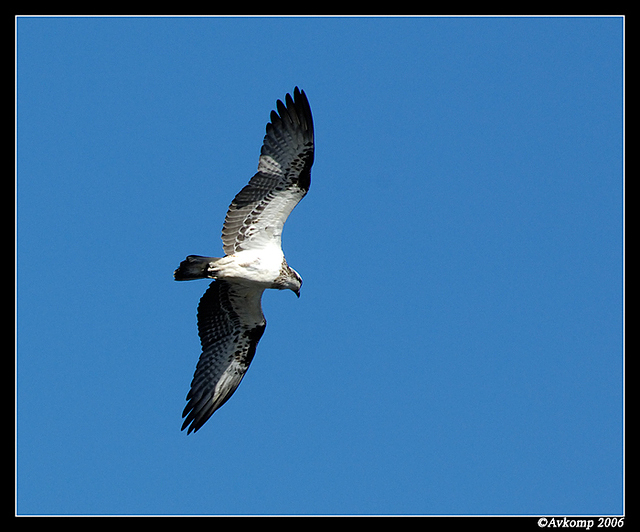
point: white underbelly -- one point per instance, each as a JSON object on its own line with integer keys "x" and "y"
{"x": 252, "y": 266}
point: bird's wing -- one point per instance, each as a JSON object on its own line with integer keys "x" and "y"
{"x": 230, "y": 324}
{"x": 257, "y": 214}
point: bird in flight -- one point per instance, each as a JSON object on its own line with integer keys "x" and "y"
{"x": 230, "y": 318}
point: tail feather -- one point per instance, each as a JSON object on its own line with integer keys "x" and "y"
{"x": 193, "y": 267}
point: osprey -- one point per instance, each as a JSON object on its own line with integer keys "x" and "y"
{"x": 230, "y": 318}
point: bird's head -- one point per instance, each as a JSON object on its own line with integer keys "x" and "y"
{"x": 294, "y": 281}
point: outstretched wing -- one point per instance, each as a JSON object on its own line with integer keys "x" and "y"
{"x": 257, "y": 214}
{"x": 230, "y": 324}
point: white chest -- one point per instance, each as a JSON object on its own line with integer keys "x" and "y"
{"x": 259, "y": 266}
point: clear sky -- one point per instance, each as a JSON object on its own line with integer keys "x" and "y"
{"x": 458, "y": 345}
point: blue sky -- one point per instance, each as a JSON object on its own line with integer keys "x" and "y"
{"x": 458, "y": 346}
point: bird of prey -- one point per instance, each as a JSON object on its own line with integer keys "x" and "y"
{"x": 230, "y": 318}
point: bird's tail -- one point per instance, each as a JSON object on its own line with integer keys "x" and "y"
{"x": 194, "y": 267}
